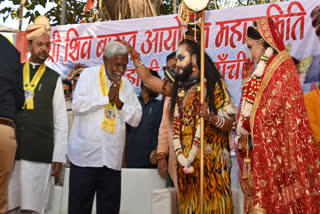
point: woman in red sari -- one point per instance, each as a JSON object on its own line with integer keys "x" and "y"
{"x": 278, "y": 159}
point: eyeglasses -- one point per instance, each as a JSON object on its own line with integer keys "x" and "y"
{"x": 67, "y": 91}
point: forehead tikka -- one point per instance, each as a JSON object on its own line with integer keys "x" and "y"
{"x": 255, "y": 27}
{"x": 254, "y": 40}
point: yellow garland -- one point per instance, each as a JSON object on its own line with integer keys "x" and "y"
{"x": 109, "y": 120}
{"x": 30, "y": 87}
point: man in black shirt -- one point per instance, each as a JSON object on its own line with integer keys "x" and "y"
{"x": 142, "y": 140}
{"x": 11, "y": 99}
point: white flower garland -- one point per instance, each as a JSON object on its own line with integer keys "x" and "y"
{"x": 246, "y": 107}
{"x": 186, "y": 162}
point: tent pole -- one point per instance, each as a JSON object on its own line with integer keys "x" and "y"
{"x": 63, "y": 12}
{"x": 202, "y": 68}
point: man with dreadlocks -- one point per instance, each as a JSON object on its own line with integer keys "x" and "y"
{"x": 185, "y": 112}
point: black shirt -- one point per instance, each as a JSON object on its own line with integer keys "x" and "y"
{"x": 144, "y": 138}
{"x": 11, "y": 86}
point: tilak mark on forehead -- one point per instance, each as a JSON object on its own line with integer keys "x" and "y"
{"x": 178, "y": 51}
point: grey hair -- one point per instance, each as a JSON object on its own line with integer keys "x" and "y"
{"x": 115, "y": 48}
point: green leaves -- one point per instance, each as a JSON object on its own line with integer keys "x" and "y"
{"x": 52, "y": 9}
{"x": 166, "y": 7}
{"x": 16, "y": 1}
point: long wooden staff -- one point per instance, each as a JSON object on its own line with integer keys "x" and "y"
{"x": 201, "y": 119}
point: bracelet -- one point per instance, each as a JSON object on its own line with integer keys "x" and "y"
{"x": 220, "y": 120}
{"x": 211, "y": 118}
{"x": 223, "y": 120}
{"x": 134, "y": 55}
{"x": 141, "y": 64}
{"x": 161, "y": 155}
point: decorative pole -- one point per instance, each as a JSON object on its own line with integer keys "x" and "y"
{"x": 63, "y": 12}
{"x": 100, "y": 11}
{"x": 22, "y": 3}
{"x": 201, "y": 119}
{"x": 190, "y": 12}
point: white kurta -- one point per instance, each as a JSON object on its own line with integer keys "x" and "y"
{"x": 89, "y": 144}
{"x": 70, "y": 114}
{"x": 31, "y": 183}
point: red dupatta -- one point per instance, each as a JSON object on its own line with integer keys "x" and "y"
{"x": 285, "y": 159}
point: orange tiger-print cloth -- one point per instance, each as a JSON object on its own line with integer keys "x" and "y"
{"x": 217, "y": 189}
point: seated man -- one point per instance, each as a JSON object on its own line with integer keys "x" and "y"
{"x": 143, "y": 139}
{"x": 103, "y": 103}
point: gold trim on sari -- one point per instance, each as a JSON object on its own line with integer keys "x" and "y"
{"x": 277, "y": 61}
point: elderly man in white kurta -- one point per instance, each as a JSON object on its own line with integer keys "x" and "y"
{"x": 104, "y": 101}
{"x": 42, "y": 128}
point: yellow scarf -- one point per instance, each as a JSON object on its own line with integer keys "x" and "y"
{"x": 109, "y": 120}
{"x": 30, "y": 87}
